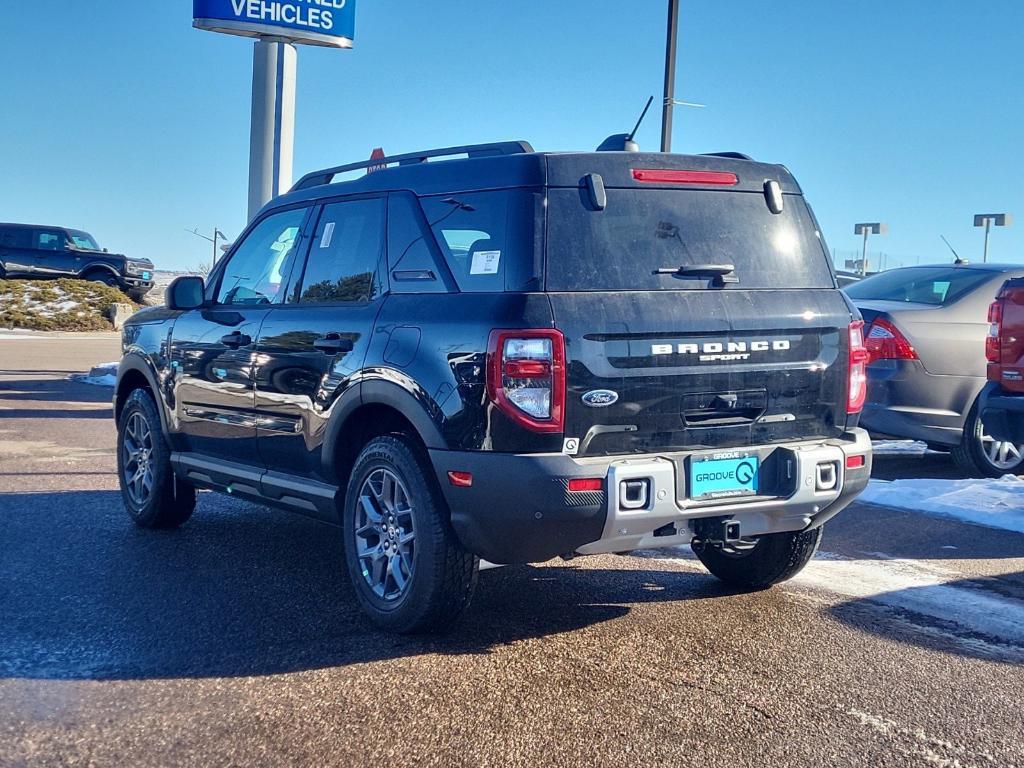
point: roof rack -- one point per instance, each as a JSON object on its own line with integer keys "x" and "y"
{"x": 326, "y": 176}
{"x": 733, "y": 155}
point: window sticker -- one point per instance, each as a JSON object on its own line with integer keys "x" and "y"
{"x": 325, "y": 241}
{"x": 485, "y": 263}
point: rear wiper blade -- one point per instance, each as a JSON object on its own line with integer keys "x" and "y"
{"x": 724, "y": 273}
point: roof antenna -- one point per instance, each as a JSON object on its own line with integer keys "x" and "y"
{"x": 957, "y": 259}
{"x": 623, "y": 142}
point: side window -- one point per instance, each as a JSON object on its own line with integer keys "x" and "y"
{"x": 486, "y": 236}
{"x": 46, "y": 240}
{"x": 345, "y": 253}
{"x": 414, "y": 265}
{"x": 260, "y": 266}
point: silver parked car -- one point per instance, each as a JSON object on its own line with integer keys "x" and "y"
{"x": 925, "y": 330}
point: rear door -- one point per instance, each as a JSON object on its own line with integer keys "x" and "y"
{"x": 665, "y": 360}
{"x": 50, "y": 256}
{"x": 16, "y": 255}
{"x": 311, "y": 347}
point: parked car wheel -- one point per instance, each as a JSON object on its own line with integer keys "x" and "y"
{"x": 981, "y": 455}
{"x": 409, "y": 570}
{"x": 153, "y": 495}
{"x": 762, "y": 562}
{"x": 104, "y": 277}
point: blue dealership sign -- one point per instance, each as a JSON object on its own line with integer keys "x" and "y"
{"x": 313, "y": 22}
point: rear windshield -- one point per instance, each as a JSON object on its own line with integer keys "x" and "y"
{"x": 919, "y": 285}
{"x": 642, "y": 231}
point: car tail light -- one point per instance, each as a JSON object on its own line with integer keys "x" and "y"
{"x": 664, "y": 176}
{"x": 857, "y": 389}
{"x": 526, "y": 377}
{"x": 995, "y": 319}
{"x": 885, "y": 342}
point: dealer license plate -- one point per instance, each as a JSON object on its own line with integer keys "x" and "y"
{"x": 723, "y": 475}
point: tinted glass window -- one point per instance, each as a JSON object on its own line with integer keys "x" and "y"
{"x": 411, "y": 259}
{"x": 84, "y": 241}
{"x": 345, "y": 253}
{"x": 642, "y": 231}
{"x": 487, "y": 237}
{"x": 15, "y": 238}
{"x": 260, "y": 266}
{"x": 50, "y": 241}
{"x": 919, "y": 285}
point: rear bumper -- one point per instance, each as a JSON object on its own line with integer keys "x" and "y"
{"x": 1002, "y": 414}
{"x": 906, "y": 401}
{"x": 519, "y": 508}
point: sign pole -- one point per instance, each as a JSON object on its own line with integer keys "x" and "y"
{"x": 272, "y": 136}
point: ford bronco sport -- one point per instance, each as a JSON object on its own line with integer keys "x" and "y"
{"x": 33, "y": 252}
{"x": 508, "y": 357}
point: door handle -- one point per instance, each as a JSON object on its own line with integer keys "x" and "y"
{"x": 236, "y": 340}
{"x": 333, "y": 344}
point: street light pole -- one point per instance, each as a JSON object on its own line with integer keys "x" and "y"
{"x": 986, "y": 220}
{"x": 670, "y": 76}
{"x": 868, "y": 228}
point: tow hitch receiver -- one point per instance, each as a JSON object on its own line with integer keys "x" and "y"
{"x": 716, "y": 531}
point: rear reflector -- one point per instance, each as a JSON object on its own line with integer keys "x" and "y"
{"x": 664, "y": 176}
{"x": 856, "y": 462}
{"x": 461, "y": 479}
{"x": 586, "y": 484}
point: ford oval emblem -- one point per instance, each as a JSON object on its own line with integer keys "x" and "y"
{"x": 600, "y": 398}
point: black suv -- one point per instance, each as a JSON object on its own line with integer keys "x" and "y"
{"x": 34, "y": 252}
{"x": 508, "y": 357}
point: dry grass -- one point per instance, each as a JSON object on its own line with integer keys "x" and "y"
{"x": 58, "y": 305}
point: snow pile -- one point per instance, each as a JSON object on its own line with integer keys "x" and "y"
{"x": 102, "y": 375}
{"x": 995, "y": 503}
{"x": 899, "y": 448}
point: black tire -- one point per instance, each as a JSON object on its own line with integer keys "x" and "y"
{"x": 972, "y": 455}
{"x": 169, "y": 501}
{"x": 762, "y": 562}
{"x": 104, "y": 277}
{"x": 441, "y": 575}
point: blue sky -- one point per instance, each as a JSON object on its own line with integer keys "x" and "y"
{"x": 119, "y": 118}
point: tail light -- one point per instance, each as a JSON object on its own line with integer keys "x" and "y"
{"x": 857, "y": 389}
{"x": 526, "y": 377}
{"x": 885, "y": 342}
{"x": 995, "y": 327}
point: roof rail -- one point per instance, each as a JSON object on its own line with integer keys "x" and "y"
{"x": 326, "y": 176}
{"x": 733, "y": 155}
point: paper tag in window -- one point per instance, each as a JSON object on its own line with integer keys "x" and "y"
{"x": 485, "y": 263}
{"x": 325, "y": 241}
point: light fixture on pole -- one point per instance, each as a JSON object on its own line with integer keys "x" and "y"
{"x": 988, "y": 220}
{"x": 869, "y": 228}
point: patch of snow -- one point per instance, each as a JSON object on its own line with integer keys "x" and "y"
{"x": 106, "y": 380}
{"x": 995, "y": 503}
{"x": 898, "y": 447}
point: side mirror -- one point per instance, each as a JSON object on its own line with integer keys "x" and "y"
{"x": 188, "y": 292}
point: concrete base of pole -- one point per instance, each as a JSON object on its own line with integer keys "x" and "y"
{"x": 272, "y": 137}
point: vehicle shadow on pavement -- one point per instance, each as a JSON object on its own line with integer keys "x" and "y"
{"x": 54, "y": 391}
{"x": 242, "y": 591}
{"x": 873, "y": 532}
{"x": 980, "y": 617}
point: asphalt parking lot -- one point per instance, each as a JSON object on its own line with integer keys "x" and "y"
{"x": 235, "y": 640}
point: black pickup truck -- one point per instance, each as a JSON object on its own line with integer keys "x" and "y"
{"x": 509, "y": 357}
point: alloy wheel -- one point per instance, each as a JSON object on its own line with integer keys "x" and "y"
{"x": 385, "y": 540}
{"x": 1001, "y": 455}
{"x": 137, "y": 462}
